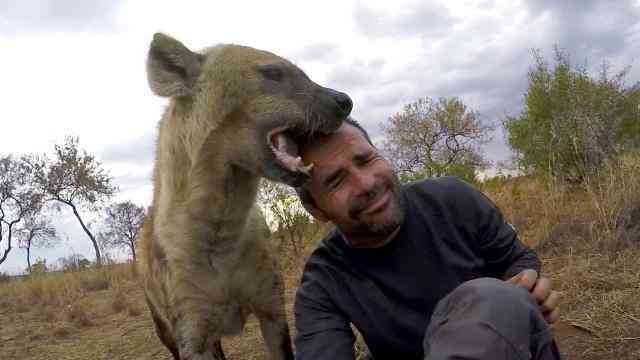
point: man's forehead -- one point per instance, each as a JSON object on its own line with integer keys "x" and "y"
{"x": 345, "y": 134}
{"x": 330, "y": 153}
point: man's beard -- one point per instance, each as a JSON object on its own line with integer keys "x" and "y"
{"x": 386, "y": 226}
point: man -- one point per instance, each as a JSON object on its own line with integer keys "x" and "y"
{"x": 414, "y": 268}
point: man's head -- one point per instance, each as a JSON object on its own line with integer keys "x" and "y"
{"x": 352, "y": 185}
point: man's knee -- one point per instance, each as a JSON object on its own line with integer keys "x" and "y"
{"x": 492, "y": 290}
{"x": 495, "y": 316}
{"x": 487, "y": 299}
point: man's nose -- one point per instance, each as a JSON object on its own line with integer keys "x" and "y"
{"x": 363, "y": 181}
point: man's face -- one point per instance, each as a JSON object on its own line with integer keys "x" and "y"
{"x": 352, "y": 185}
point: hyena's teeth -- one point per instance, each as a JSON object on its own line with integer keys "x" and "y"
{"x": 306, "y": 169}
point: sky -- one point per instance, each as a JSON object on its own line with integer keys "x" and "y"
{"x": 77, "y": 67}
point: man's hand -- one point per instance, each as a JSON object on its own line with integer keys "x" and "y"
{"x": 540, "y": 289}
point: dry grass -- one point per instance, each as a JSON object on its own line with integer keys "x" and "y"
{"x": 596, "y": 214}
{"x": 134, "y": 309}
{"x": 47, "y": 313}
{"x": 94, "y": 281}
{"x": 21, "y": 307}
{"x": 62, "y": 331}
{"x": 62, "y": 289}
{"x": 589, "y": 240}
{"x": 119, "y": 301}
{"x": 79, "y": 313}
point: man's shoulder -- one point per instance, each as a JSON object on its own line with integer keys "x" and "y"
{"x": 328, "y": 251}
{"x": 443, "y": 188}
{"x": 327, "y": 264}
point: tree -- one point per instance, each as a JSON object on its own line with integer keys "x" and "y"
{"x": 123, "y": 221}
{"x": 282, "y": 206}
{"x": 573, "y": 122}
{"x": 36, "y": 231}
{"x": 73, "y": 262}
{"x": 18, "y": 198}
{"x": 39, "y": 267}
{"x": 435, "y": 138}
{"x": 76, "y": 179}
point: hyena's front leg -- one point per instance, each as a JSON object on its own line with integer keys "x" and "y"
{"x": 270, "y": 311}
{"x": 276, "y": 335}
{"x": 197, "y": 320}
{"x": 217, "y": 352}
{"x": 198, "y": 294}
{"x": 162, "y": 328}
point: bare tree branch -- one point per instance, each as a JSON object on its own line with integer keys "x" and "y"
{"x": 122, "y": 221}
{"x": 18, "y": 198}
{"x": 37, "y": 231}
{"x": 74, "y": 178}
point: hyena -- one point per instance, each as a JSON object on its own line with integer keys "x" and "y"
{"x": 235, "y": 115}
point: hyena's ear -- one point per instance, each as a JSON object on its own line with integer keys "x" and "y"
{"x": 172, "y": 69}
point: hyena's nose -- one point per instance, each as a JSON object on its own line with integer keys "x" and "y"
{"x": 344, "y": 103}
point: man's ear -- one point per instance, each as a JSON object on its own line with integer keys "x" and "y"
{"x": 172, "y": 69}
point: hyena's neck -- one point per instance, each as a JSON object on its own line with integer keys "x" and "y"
{"x": 204, "y": 181}
{"x": 221, "y": 194}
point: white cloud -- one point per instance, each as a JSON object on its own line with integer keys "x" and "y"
{"x": 29, "y": 16}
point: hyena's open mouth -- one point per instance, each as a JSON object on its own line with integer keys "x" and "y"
{"x": 284, "y": 141}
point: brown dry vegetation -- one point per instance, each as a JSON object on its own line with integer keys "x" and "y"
{"x": 589, "y": 240}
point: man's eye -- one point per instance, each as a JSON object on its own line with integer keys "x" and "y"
{"x": 336, "y": 183}
{"x": 369, "y": 159}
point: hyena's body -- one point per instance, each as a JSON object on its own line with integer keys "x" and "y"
{"x": 234, "y": 116}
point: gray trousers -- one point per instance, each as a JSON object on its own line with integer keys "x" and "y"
{"x": 488, "y": 319}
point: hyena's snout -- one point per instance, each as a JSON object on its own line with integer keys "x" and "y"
{"x": 343, "y": 103}
{"x": 333, "y": 108}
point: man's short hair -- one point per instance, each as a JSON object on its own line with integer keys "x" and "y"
{"x": 303, "y": 192}
{"x": 351, "y": 121}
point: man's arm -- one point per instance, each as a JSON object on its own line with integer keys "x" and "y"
{"x": 504, "y": 254}
{"x": 503, "y": 251}
{"x": 322, "y": 331}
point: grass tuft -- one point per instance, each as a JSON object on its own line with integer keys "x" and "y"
{"x": 78, "y": 314}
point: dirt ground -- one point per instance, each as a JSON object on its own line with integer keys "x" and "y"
{"x": 42, "y": 332}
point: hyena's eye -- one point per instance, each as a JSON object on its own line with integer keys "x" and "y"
{"x": 271, "y": 72}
